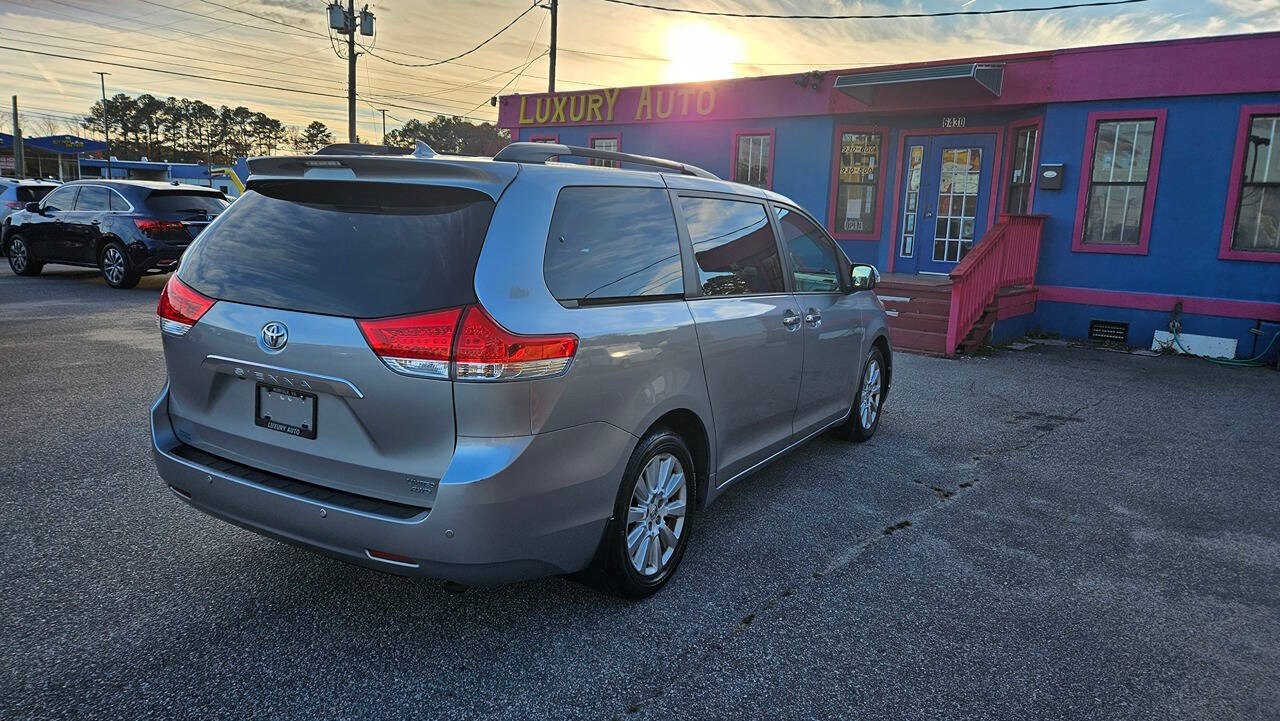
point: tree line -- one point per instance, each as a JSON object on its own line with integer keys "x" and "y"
{"x": 192, "y": 131}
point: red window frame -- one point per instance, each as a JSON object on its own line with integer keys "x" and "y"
{"x": 1149, "y": 194}
{"x": 1225, "y": 251}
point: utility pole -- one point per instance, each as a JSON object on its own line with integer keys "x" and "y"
{"x": 351, "y": 73}
{"x": 551, "y": 74}
{"x": 19, "y": 158}
{"x": 106, "y": 126}
{"x": 345, "y": 21}
{"x": 384, "y": 125}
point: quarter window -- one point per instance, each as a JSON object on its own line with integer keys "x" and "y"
{"x": 1118, "y": 181}
{"x": 815, "y": 265}
{"x": 859, "y": 176}
{"x": 613, "y": 243}
{"x": 1022, "y": 172}
{"x": 1258, "y": 212}
{"x": 93, "y": 198}
{"x": 118, "y": 202}
{"x": 734, "y": 246}
{"x": 753, "y": 160}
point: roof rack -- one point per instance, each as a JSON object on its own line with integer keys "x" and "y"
{"x": 542, "y": 152}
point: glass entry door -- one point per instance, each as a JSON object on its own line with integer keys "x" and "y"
{"x": 946, "y": 187}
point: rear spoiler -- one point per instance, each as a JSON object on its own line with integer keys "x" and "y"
{"x": 479, "y": 174}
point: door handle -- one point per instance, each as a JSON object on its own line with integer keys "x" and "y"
{"x": 791, "y": 320}
{"x": 813, "y": 317}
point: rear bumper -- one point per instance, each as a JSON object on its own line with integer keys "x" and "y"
{"x": 156, "y": 257}
{"x": 507, "y": 509}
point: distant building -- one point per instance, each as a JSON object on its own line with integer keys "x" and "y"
{"x": 1086, "y": 192}
{"x": 144, "y": 169}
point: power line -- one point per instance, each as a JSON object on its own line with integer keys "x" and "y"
{"x": 262, "y": 17}
{"x": 885, "y": 16}
{"x": 462, "y": 54}
{"x": 513, "y": 78}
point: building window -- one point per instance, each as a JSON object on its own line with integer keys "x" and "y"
{"x": 753, "y": 158}
{"x": 544, "y": 139}
{"x": 1119, "y": 171}
{"x": 1257, "y": 226}
{"x": 611, "y": 144}
{"x": 858, "y": 177}
{"x": 1022, "y": 172}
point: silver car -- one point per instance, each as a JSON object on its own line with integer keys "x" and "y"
{"x": 486, "y": 370}
{"x": 15, "y": 194}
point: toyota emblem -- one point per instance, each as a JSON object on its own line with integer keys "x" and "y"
{"x": 275, "y": 335}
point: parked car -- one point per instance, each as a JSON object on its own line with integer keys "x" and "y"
{"x": 125, "y": 228}
{"x": 15, "y": 194}
{"x": 486, "y": 370}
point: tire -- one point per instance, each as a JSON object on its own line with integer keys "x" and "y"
{"x": 868, "y": 401}
{"x": 20, "y": 261}
{"x": 637, "y": 570}
{"x": 117, "y": 269}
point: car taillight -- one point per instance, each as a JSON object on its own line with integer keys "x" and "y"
{"x": 417, "y": 345}
{"x": 438, "y": 345}
{"x": 180, "y": 307}
{"x": 15, "y": 204}
{"x": 486, "y": 351}
{"x": 155, "y": 228}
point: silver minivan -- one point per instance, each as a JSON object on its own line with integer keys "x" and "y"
{"x": 492, "y": 369}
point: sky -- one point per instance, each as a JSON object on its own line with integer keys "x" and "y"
{"x": 601, "y": 45}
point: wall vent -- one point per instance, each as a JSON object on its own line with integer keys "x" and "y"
{"x": 1109, "y": 331}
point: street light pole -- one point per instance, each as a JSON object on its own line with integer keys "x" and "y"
{"x": 106, "y": 127}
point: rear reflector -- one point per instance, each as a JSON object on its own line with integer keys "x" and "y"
{"x": 391, "y": 558}
{"x": 416, "y": 345}
{"x": 180, "y": 307}
{"x": 465, "y": 344}
{"x": 486, "y": 351}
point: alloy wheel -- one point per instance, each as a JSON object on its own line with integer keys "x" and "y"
{"x": 18, "y": 254}
{"x": 113, "y": 265}
{"x": 870, "y": 407}
{"x": 656, "y": 516}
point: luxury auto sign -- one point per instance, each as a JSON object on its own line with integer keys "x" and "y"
{"x": 647, "y": 103}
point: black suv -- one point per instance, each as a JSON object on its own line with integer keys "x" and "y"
{"x": 126, "y": 228}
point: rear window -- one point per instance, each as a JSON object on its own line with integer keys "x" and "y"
{"x": 611, "y": 244}
{"x": 33, "y": 193}
{"x": 362, "y": 250}
{"x": 164, "y": 201}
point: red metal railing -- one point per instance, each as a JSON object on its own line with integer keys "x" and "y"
{"x": 1005, "y": 256}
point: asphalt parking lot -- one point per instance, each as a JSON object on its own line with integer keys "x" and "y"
{"x": 1091, "y": 535}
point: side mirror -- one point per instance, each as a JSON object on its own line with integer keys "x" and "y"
{"x": 34, "y": 208}
{"x": 864, "y": 277}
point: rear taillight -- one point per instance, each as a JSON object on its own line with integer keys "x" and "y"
{"x": 466, "y": 344}
{"x": 180, "y": 307}
{"x": 417, "y": 345}
{"x": 486, "y": 351}
{"x": 158, "y": 228}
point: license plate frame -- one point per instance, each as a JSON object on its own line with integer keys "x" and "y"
{"x": 298, "y": 424}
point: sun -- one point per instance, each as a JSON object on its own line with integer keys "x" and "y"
{"x": 698, "y": 51}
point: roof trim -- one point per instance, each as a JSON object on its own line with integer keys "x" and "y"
{"x": 988, "y": 76}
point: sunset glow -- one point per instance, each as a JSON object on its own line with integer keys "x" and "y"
{"x": 699, "y": 51}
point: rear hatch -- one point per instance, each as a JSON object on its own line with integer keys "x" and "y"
{"x": 181, "y": 214}
{"x": 279, "y": 373}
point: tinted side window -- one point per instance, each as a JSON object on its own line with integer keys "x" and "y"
{"x": 118, "y": 202}
{"x": 92, "y": 198}
{"x": 815, "y": 265}
{"x": 61, "y": 199}
{"x": 613, "y": 243}
{"x": 734, "y": 246}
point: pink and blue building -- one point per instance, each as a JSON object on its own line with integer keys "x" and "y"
{"x": 1086, "y": 192}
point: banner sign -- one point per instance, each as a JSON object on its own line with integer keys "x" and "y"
{"x": 65, "y": 144}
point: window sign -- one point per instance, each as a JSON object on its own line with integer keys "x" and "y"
{"x": 859, "y": 175}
